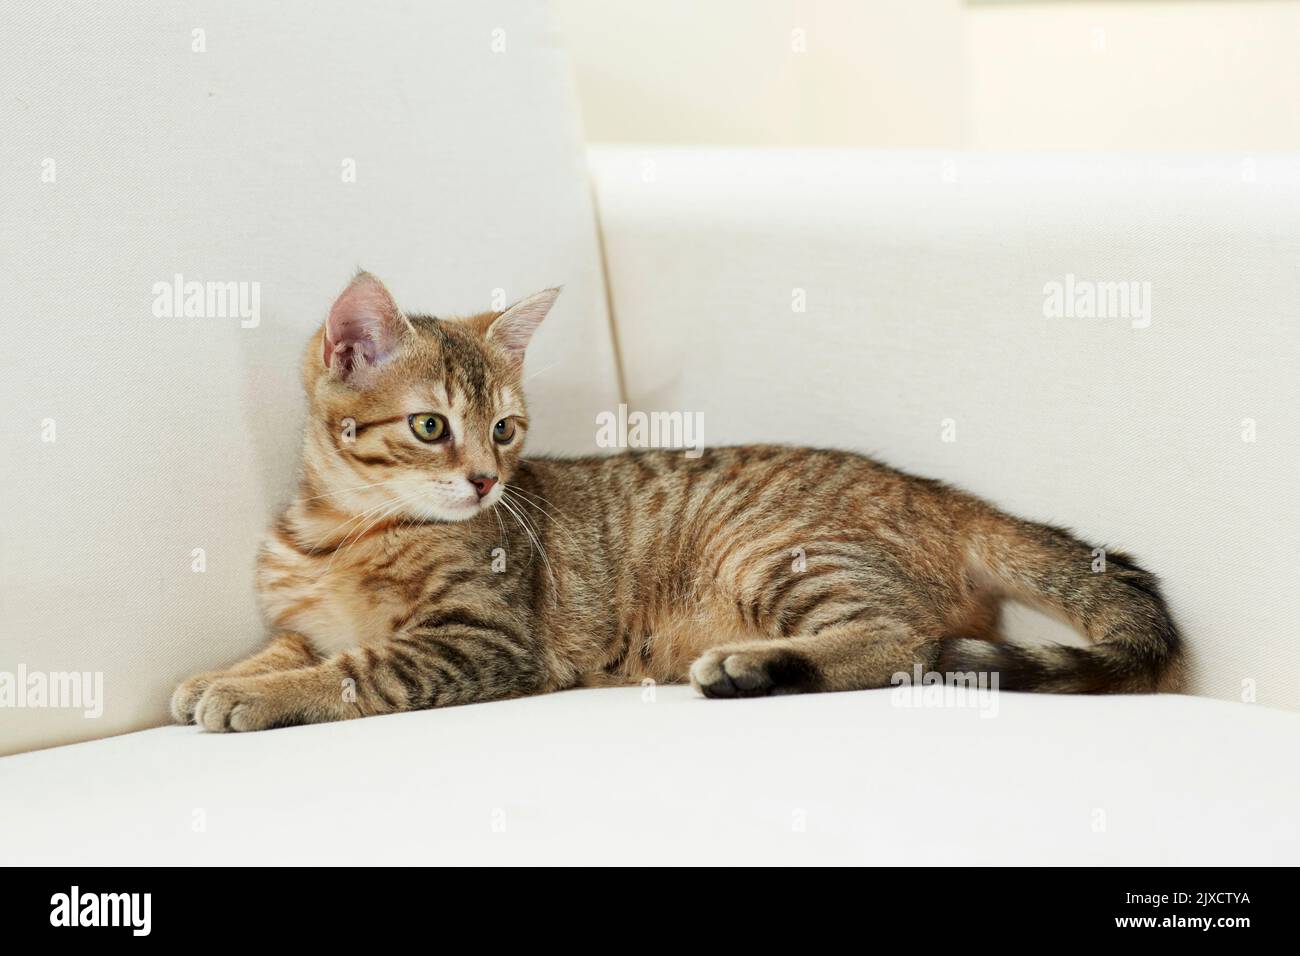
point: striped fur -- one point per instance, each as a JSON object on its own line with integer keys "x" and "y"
{"x": 749, "y": 570}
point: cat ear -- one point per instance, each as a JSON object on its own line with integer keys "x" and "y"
{"x": 514, "y": 328}
{"x": 364, "y": 327}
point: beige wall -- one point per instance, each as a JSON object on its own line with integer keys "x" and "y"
{"x": 1055, "y": 74}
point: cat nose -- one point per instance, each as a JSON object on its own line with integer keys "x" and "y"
{"x": 482, "y": 483}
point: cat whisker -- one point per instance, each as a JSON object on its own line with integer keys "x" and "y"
{"x": 384, "y": 512}
{"x": 540, "y": 371}
{"x": 348, "y": 521}
{"x": 536, "y": 544}
{"x": 504, "y": 537}
{"x": 528, "y": 519}
{"x": 345, "y": 544}
{"x": 343, "y": 491}
{"x": 517, "y": 496}
{"x": 532, "y": 495}
{"x": 530, "y": 525}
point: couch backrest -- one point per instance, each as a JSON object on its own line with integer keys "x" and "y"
{"x": 914, "y": 306}
{"x": 280, "y": 144}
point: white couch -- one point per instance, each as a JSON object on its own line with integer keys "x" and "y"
{"x": 892, "y": 303}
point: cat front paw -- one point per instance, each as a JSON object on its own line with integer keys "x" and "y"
{"x": 185, "y": 698}
{"x": 238, "y": 704}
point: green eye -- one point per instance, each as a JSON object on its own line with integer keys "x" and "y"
{"x": 429, "y": 427}
{"x": 504, "y": 431}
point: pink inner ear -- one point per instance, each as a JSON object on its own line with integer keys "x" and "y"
{"x": 363, "y": 328}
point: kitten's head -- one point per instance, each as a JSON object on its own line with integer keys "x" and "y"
{"x": 413, "y": 416}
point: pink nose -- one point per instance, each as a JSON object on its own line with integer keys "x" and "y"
{"x": 483, "y": 483}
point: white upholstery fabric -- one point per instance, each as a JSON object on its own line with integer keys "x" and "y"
{"x": 229, "y": 165}
{"x": 603, "y": 776}
{"x": 924, "y": 278}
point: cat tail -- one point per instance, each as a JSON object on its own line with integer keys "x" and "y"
{"x": 1134, "y": 644}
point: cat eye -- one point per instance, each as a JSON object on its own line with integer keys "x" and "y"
{"x": 429, "y": 427}
{"x": 504, "y": 431}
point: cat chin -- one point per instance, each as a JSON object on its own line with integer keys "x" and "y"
{"x": 449, "y": 513}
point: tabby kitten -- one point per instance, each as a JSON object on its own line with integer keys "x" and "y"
{"x": 424, "y": 562}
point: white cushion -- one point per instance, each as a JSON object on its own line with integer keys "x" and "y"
{"x": 924, "y": 278}
{"x": 229, "y": 165}
{"x": 608, "y": 776}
